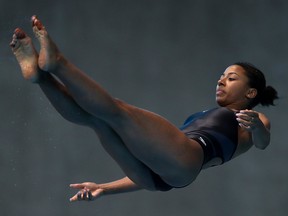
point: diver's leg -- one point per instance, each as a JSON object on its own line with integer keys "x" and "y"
{"x": 71, "y": 111}
{"x": 110, "y": 140}
{"x": 58, "y": 95}
{"x": 149, "y": 137}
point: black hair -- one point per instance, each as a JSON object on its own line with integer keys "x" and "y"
{"x": 265, "y": 94}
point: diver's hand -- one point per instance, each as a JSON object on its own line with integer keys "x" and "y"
{"x": 257, "y": 124}
{"x": 249, "y": 119}
{"x": 88, "y": 191}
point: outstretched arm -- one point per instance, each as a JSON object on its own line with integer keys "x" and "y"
{"x": 89, "y": 191}
{"x": 259, "y": 126}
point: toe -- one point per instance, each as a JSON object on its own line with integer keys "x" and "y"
{"x": 19, "y": 33}
{"x": 13, "y": 43}
{"x": 36, "y": 22}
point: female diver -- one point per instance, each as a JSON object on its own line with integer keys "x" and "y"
{"x": 153, "y": 153}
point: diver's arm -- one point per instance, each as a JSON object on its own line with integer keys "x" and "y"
{"x": 261, "y": 132}
{"x": 90, "y": 190}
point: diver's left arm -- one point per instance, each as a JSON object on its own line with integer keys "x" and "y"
{"x": 257, "y": 124}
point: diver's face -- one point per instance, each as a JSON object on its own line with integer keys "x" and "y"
{"x": 232, "y": 89}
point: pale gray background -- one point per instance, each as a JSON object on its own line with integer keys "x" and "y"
{"x": 164, "y": 56}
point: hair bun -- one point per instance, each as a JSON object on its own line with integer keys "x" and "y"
{"x": 268, "y": 96}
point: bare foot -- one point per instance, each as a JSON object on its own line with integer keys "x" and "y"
{"x": 25, "y": 54}
{"x": 49, "y": 53}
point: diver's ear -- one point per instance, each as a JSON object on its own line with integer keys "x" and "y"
{"x": 251, "y": 93}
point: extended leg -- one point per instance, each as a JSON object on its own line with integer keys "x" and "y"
{"x": 150, "y": 138}
{"x": 71, "y": 111}
{"x": 110, "y": 140}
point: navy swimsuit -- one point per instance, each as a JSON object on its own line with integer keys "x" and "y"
{"x": 216, "y": 130}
